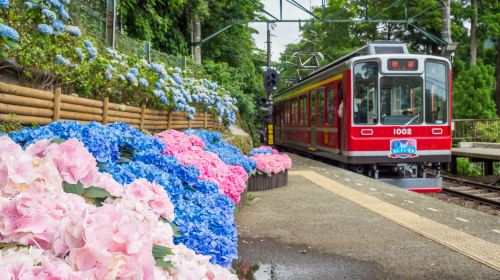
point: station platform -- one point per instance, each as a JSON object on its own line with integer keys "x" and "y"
{"x": 329, "y": 223}
{"x": 478, "y": 152}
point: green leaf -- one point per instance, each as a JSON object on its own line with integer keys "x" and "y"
{"x": 10, "y": 245}
{"x": 95, "y": 192}
{"x": 164, "y": 264}
{"x": 124, "y": 159}
{"x": 161, "y": 251}
{"x": 102, "y": 166}
{"x": 73, "y": 188}
{"x": 175, "y": 228}
{"x": 57, "y": 140}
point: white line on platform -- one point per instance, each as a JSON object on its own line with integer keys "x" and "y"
{"x": 347, "y": 179}
{"x": 496, "y": 230}
{"x": 389, "y": 194}
{"x": 462, "y": 219}
{"x": 359, "y": 184}
{"x": 409, "y": 201}
{"x": 432, "y": 209}
{"x": 373, "y": 189}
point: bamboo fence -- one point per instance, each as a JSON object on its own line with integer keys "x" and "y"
{"x": 43, "y": 107}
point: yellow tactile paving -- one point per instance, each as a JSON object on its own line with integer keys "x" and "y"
{"x": 483, "y": 251}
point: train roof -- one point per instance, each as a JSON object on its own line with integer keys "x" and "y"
{"x": 377, "y": 47}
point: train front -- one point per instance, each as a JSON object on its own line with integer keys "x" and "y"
{"x": 400, "y": 118}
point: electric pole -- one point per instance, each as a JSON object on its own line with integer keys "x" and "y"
{"x": 197, "y": 40}
{"x": 446, "y": 25}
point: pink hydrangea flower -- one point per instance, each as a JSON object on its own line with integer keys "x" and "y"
{"x": 74, "y": 162}
{"x": 106, "y": 181}
{"x": 272, "y": 163}
{"x": 116, "y": 246}
{"x": 189, "y": 150}
{"x": 152, "y": 195}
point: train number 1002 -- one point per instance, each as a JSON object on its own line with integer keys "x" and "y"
{"x": 402, "y": 131}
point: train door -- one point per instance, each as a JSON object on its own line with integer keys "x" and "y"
{"x": 340, "y": 115}
{"x": 312, "y": 110}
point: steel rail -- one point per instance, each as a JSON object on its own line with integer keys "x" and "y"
{"x": 480, "y": 199}
{"x": 474, "y": 197}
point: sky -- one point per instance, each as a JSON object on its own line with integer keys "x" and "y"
{"x": 283, "y": 33}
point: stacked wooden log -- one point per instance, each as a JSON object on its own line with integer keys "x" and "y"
{"x": 43, "y": 107}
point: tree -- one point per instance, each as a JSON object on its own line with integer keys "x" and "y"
{"x": 473, "y": 90}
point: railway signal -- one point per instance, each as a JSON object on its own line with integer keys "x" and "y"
{"x": 271, "y": 80}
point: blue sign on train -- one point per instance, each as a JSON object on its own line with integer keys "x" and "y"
{"x": 403, "y": 148}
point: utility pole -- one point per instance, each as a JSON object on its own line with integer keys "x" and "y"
{"x": 110, "y": 22}
{"x": 446, "y": 25}
{"x": 197, "y": 40}
{"x": 268, "y": 46}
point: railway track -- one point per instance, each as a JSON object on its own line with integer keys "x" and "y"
{"x": 480, "y": 192}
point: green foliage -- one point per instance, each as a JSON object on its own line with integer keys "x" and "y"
{"x": 473, "y": 91}
{"x": 466, "y": 168}
{"x": 11, "y": 124}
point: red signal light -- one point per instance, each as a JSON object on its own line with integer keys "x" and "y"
{"x": 411, "y": 64}
{"x": 394, "y": 64}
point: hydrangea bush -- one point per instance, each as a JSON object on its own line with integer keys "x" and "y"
{"x": 205, "y": 217}
{"x": 189, "y": 150}
{"x": 61, "y": 218}
{"x": 269, "y": 161}
{"x": 49, "y": 43}
{"x": 228, "y": 153}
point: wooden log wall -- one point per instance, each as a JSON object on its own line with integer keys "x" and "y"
{"x": 43, "y": 107}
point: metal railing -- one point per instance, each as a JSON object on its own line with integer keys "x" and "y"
{"x": 475, "y": 130}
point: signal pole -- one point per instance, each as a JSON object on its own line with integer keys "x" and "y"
{"x": 269, "y": 118}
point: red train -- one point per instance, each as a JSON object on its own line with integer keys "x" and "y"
{"x": 380, "y": 111}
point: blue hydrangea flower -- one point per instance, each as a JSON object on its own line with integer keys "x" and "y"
{"x": 80, "y": 53}
{"x": 108, "y": 74}
{"x": 177, "y": 78}
{"x": 9, "y": 32}
{"x": 49, "y": 14}
{"x": 62, "y": 60}
{"x": 63, "y": 14}
{"x": 56, "y": 4}
{"x": 143, "y": 82}
{"x": 131, "y": 79}
{"x": 158, "y": 93}
{"x": 164, "y": 99}
{"x": 88, "y": 44}
{"x": 4, "y": 4}
{"x": 73, "y": 31}
{"x": 45, "y": 29}
{"x": 134, "y": 71}
{"x": 58, "y": 25}
{"x": 30, "y": 5}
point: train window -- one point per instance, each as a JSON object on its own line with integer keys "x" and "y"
{"x": 287, "y": 113}
{"x": 330, "y": 106}
{"x": 313, "y": 107}
{"x": 436, "y": 98}
{"x": 365, "y": 95}
{"x": 295, "y": 112}
{"x": 321, "y": 107}
{"x": 303, "y": 110}
{"x": 401, "y": 100}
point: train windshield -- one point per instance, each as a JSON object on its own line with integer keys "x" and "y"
{"x": 401, "y": 100}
